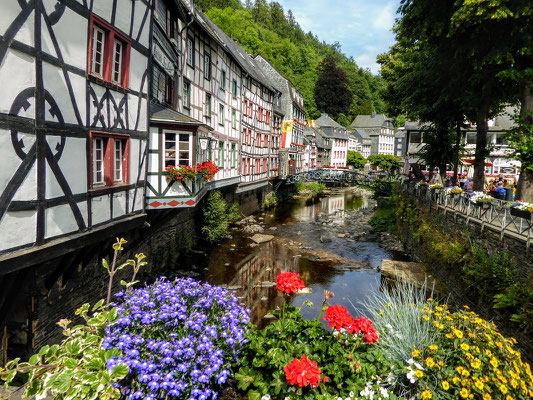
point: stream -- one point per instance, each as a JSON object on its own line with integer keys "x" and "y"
{"x": 327, "y": 240}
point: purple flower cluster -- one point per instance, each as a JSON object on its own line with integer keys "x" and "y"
{"x": 178, "y": 339}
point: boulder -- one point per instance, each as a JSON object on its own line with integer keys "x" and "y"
{"x": 324, "y": 239}
{"x": 259, "y": 238}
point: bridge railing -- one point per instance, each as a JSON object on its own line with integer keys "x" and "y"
{"x": 334, "y": 175}
{"x": 497, "y": 215}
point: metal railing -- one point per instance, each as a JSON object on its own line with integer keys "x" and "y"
{"x": 496, "y": 216}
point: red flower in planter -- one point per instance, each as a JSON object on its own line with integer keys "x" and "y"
{"x": 302, "y": 372}
{"x": 364, "y": 325}
{"x": 289, "y": 282}
{"x": 338, "y": 317}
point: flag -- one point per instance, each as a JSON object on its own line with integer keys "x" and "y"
{"x": 311, "y": 123}
{"x": 287, "y": 126}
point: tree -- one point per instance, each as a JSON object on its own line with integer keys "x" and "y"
{"x": 386, "y": 162}
{"x": 332, "y": 91}
{"x": 355, "y": 159}
{"x": 343, "y": 120}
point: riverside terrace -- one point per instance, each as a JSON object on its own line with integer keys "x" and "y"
{"x": 497, "y": 216}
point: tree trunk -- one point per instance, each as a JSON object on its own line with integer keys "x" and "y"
{"x": 481, "y": 139}
{"x": 524, "y": 191}
{"x": 457, "y": 151}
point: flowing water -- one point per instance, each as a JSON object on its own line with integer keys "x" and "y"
{"x": 346, "y": 266}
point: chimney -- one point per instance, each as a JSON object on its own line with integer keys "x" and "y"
{"x": 373, "y": 114}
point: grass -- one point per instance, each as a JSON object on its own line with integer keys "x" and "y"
{"x": 396, "y": 311}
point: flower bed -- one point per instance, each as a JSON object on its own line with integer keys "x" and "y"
{"x": 522, "y": 209}
{"x": 177, "y": 338}
{"x": 469, "y": 359}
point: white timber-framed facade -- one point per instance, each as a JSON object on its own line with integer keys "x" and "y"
{"x": 74, "y": 123}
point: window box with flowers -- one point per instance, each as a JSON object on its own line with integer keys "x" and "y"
{"x": 481, "y": 200}
{"x": 188, "y": 173}
{"x": 522, "y": 209}
{"x": 454, "y": 192}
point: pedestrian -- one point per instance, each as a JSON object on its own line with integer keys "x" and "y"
{"x": 500, "y": 191}
{"x": 436, "y": 179}
{"x": 470, "y": 186}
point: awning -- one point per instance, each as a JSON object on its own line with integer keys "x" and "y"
{"x": 470, "y": 161}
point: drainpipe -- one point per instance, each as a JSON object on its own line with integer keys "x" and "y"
{"x": 182, "y": 66}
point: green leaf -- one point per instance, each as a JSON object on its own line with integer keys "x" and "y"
{"x": 98, "y": 305}
{"x": 120, "y": 371}
{"x": 105, "y": 264}
{"x": 34, "y": 359}
{"x": 70, "y": 363}
{"x": 254, "y": 395}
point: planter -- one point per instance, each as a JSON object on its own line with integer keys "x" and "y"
{"x": 437, "y": 191}
{"x": 456, "y": 195}
{"x": 482, "y": 205}
{"x": 520, "y": 213}
{"x": 422, "y": 190}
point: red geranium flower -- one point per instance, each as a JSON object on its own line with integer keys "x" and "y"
{"x": 364, "y": 325}
{"x": 302, "y": 372}
{"x": 289, "y": 282}
{"x": 338, "y": 317}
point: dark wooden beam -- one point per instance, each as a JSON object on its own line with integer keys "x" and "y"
{"x": 18, "y": 260}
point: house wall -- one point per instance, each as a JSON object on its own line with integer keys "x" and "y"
{"x": 49, "y": 109}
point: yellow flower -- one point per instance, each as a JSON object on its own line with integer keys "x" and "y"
{"x": 425, "y": 317}
{"x": 388, "y": 304}
{"x": 487, "y": 397}
{"x": 514, "y": 383}
{"x": 479, "y": 384}
{"x": 458, "y": 333}
{"x": 464, "y": 346}
{"x": 494, "y": 362}
{"x": 445, "y": 385}
{"x": 426, "y": 394}
{"x": 488, "y": 353}
{"x": 466, "y": 307}
{"x": 456, "y": 381}
{"x": 469, "y": 356}
{"x": 459, "y": 370}
{"x": 477, "y": 349}
{"x": 416, "y": 353}
{"x": 433, "y": 348}
{"x": 430, "y": 362}
{"x": 503, "y": 389}
{"x": 381, "y": 312}
{"x": 430, "y": 299}
{"x": 464, "y": 393}
{"x": 449, "y": 335}
{"x": 419, "y": 374}
{"x": 476, "y": 363}
{"x": 465, "y": 373}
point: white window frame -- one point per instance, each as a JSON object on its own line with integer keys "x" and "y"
{"x": 96, "y": 159}
{"x": 96, "y": 30}
{"x": 176, "y": 151}
{"x": 117, "y": 63}
{"x": 118, "y": 160}
{"x": 234, "y": 118}
{"x": 221, "y": 115}
{"x": 187, "y": 94}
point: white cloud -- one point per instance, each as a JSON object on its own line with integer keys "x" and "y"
{"x": 362, "y": 27}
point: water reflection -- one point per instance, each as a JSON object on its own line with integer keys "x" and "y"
{"x": 250, "y": 272}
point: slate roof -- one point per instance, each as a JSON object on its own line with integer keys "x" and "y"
{"x": 326, "y": 120}
{"x": 319, "y": 135}
{"x": 369, "y": 121}
{"x": 162, "y": 113}
{"x": 241, "y": 57}
{"x": 362, "y": 133}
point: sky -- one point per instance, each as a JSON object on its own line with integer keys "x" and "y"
{"x": 362, "y": 27}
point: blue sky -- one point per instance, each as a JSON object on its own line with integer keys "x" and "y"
{"x": 362, "y": 27}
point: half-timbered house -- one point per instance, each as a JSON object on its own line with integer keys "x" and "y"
{"x": 292, "y": 106}
{"x": 73, "y": 116}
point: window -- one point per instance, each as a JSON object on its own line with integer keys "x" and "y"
{"x": 259, "y": 114}
{"x": 234, "y": 89}
{"x": 221, "y": 114}
{"x": 110, "y": 159}
{"x": 160, "y": 12}
{"x": 258, "y": 142}
{"x": 190, "y": 51}
{"x": 177, "y": 149}
{"x": 233, "y": 155}
{"x": 268, "y": 117}
{"x": 221, "y": 155}
{"x": 415, "y": 137}
{"x": 208, "y": 105}
{"x": 162, "y": 85}
{"x": 471, "y": 138}
{"x": 265, "y": 144}
{"x": 223, "y": 80}
{"x": 207, "y": 66}
{"x": 234, "y": 118}
{"x": 265, "y": 165}
{"x": 109, "y": 53}
{"x": 186, "y": 94}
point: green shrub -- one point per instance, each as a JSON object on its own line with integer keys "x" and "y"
{"x": 271, "y": 200}
{"x": 384, "y": 219}
{"x": 215, "y": 218}
{"x": 310, "y": 188}
{"x": 234, "y": 214}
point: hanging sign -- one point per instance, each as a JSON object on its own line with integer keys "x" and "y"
{"x": 203, "y": 143}
{"x": 287, "y": 126}
{"x": 163, "y": 60}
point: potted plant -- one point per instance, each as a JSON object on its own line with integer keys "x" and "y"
{"x": 421, "y": 187}
{"x": 183, "y": 173}
{"x": 454, "y": 192}
{"x": 207, "y": 170}
{"x": 481, "y": 199}
{"x": 436, "y": 188}
{"x": 522, "y": 209}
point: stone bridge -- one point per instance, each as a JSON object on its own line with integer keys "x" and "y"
{"x": 377, "y": 180}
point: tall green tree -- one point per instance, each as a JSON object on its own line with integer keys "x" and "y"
{"x": 332, "y": 90}
{"x": 355, "y": 159}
